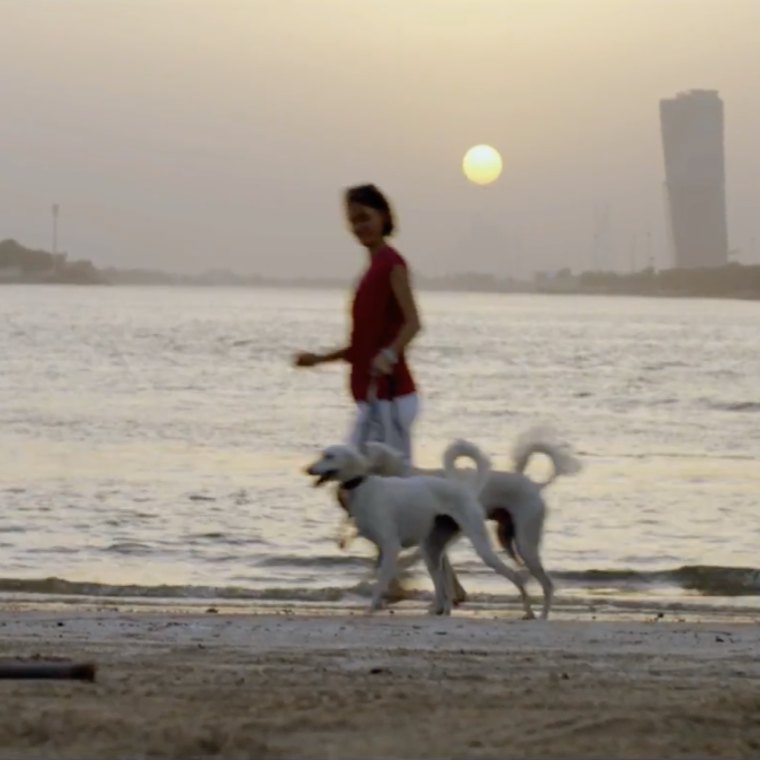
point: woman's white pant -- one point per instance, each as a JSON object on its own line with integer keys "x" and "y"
{"x": 387, "y": 421}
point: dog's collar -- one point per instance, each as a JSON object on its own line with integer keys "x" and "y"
{"x": 353, "y": 484}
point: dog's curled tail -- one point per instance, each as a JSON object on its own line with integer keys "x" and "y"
{"x": 542, "y": 441}
{"x": 461, "y": 448}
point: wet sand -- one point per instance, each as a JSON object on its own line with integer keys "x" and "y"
{"x": 390, "y": 686}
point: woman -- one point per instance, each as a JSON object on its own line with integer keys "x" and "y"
{"x": 384, "y": 322}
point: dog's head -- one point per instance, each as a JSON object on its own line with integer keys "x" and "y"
{"x": 339, "y": 464}
{"x": 385, "y": 460}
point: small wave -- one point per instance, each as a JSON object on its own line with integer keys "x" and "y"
{"x": 733, "y": 406}
{"x": 219, "y": 539}
{"x": 655, "y": 455}
{"x": 62, "y": 587}
{"x": 705, "y": 580}
{"x": 657, "y": 366}
{"x": 129, "y": 547}
{"x": 324, "y": 562}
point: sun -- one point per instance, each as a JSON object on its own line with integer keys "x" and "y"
{"x": 482, "y": 164}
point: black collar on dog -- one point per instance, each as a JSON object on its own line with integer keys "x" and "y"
{"x": 352, "y": 484}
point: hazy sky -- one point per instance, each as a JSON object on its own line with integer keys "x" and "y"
{"x": 190, "y": 134}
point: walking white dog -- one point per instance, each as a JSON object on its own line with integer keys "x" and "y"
{"x": 511, "y": 499}
{"x": 395, "y": 513}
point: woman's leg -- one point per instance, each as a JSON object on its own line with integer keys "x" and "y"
{"x": 393, "y": 427}
{"x": 401, "y": 414}
{"x": 357, "y": 435}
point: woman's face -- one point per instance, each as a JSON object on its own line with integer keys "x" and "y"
{"x": 366, "y": 224}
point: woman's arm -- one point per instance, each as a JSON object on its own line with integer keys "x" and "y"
{"x": 339, "y": 355}
{"x": 402, "y": 289}
{"x": 308, "y": 359}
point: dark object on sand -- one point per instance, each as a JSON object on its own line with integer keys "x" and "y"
{"x": 63, "y": 671}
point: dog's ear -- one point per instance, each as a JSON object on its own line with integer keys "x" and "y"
{"x": 384, "y": 459}
{"x": 376, "y": 456}
{"x": 354, "y": 464}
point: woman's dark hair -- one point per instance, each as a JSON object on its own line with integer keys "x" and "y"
{"x": 371, "y": 197}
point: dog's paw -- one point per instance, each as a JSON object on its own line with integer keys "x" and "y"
{"x": 529, "y": 616}
{"x": 442, "y": 609}
{"x": 376, "y": 606}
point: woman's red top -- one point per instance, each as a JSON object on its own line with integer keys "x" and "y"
{"x": 376, "y": 320}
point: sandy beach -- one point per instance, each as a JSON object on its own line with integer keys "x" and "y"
{"x": 388, "y": 686}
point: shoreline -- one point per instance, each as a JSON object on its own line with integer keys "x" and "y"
{"x": 591, "y": 293}
{"x": 383, "y": 686}
{"x": 639, "y": 610}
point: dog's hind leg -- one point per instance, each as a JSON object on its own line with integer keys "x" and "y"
{"x": 528, "y": 540}
{"x": 459, "y": 595}
{"x": 532, "y": 561}
{"x": 505, "y": 531}
{"x": 476, "y": 531}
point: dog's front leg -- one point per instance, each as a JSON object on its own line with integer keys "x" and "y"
{"x": 388, "y": 562}
{"x": 434, "y": 560}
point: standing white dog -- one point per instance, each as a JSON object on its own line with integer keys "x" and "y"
{"x": 512, "y": 500}
{"x": 421, "y": 510}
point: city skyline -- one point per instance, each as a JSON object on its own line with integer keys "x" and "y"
{"x": 190, "y": 135}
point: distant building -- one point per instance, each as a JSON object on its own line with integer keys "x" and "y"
{"x": 695, "y": 178}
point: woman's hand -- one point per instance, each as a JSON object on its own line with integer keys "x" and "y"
{"x": 306, "y": 359}
{"x": 381, "y": 364}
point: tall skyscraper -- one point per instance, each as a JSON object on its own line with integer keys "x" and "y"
{"x": 695, "y": 178}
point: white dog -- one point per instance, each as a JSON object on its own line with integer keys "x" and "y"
{"x": 511, "y": 499}
{"x": 420, "y": 510}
